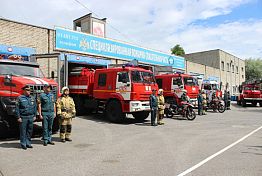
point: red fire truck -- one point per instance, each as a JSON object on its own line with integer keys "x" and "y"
{"x": 15, "y": 74}
{"x": 114, "y": 91}
{"x": 210, "y": 87}
{"x": 250, "y": 92}
{"x": 173, "y": 84}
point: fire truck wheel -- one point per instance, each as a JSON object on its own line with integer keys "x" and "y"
{"x": 140, "y": 116}
{"x": 243, "y": 102}
{"x": 80, "y": 110}
{"x": 114, "y": 111}
{"x": 238, "y": 102}
{"x": 55, "y": 127}
{"x": 3, "y": 124}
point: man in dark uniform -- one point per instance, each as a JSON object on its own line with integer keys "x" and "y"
{"x": 226, "y": 98}
{"x": 46, "y": 109}
{"x": 153, "y": 107}
{"x": 200, "y": 102}
{"x": 26, "y": 114}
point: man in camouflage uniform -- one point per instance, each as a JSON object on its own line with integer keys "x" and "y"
{"x": 161, "y": 107}
{"x": 65, "y": 111}
{"x": 204, "y": 103}
{"x": 47, "y": 112}
{"x": 26, "y": 114}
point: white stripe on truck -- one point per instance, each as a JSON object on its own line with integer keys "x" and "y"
{"x": 33, "y": 79}
{"x": 77, "y": 87}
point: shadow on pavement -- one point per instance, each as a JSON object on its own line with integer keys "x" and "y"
{"x": 145, "y": 123}
{"x": 100, "y": 118}
{"x": 10, "y": 145}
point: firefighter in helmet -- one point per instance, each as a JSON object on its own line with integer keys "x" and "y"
{"x": 161, "y": 107}
{"x": 65, "y": 111}
{"x": 204, "y": 103}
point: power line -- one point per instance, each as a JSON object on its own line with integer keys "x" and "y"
{"x": 124, "y": 35}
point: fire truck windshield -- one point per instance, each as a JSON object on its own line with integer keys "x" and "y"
{"x": 251, "y": 88}
{"x": 211, "y": 87}
{"x": 142, "y": 77}
{"x": 21, "y": 70}
{"x": 190, "y": 81}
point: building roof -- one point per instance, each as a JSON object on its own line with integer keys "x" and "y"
{"x": 213, "y": 51}
{"x": 5, "y": 19}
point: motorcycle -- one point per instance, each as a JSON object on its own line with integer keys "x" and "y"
{"x": 186, "y": 110}
{"x": 216, "y": 105}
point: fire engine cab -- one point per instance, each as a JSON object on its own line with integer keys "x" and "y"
{"x": 250, "y": 92}
{"x": 173, "y": 84}
{"x": 114, "y": 91}
{"x": 15, "y": 74}
{"x": 210, "y": 87}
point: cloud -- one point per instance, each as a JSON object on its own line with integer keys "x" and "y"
{"x": 150, "y": 23}
{"x": 239, "y": 38}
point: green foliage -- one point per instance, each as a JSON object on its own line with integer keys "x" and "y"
{"x": 253, "y": 68}
{"x": 178, "y": 50}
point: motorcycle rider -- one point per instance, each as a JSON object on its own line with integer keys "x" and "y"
{"x": 184, "y": 99}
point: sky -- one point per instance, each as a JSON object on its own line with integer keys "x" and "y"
{"x": 234, "y": 26}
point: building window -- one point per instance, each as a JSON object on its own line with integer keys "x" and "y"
{"x": 228, "y": 68}
{"x": 242, "y": 68}
{"x": 233, "y": 68}
{"x": 102, "y": 79}
{"x": 237, "y": 69}
{"x": 222, "y": 65}
{"x": 243, "y": 76}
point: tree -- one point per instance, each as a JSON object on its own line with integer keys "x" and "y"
{"x": 178, "y": 50}
{"x": 253, "y": 68}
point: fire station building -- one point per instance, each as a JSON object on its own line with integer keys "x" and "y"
{"x": 58, "y": 50}
{"x": 219, "y": 66}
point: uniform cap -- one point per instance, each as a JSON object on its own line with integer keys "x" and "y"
{"x": 47, "y": 85}
{"x": 25, "y": 87}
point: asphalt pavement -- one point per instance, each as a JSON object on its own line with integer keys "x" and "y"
{"x": 214, "y": 144}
